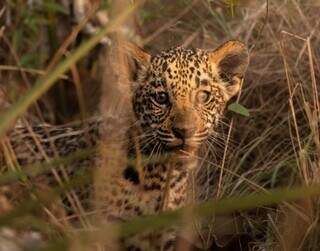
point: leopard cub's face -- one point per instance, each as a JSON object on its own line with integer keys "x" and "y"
{"x": 180, "y": 94}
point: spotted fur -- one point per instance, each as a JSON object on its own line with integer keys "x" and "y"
{"x": 184, "y": 75}
{"x": 178, "y": 97}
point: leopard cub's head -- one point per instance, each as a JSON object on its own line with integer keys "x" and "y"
{"x": 180, "y": 94}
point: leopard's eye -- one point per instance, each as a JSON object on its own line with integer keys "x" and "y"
{"x": 203, "y": 97}
{"x": 161, "y": 98}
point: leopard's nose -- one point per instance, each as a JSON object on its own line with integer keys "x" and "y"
{"x": 183, "y": 132}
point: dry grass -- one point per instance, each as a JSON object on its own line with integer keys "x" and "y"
{"x": 278, "y": 145}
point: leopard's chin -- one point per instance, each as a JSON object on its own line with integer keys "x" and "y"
{"x": 188, "y": 159}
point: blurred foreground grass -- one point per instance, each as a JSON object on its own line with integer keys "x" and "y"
{"x": 276, "y": 146}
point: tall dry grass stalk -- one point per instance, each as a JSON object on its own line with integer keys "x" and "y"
{"x": 116, "y": 111}
{"x": 278, "y": 145}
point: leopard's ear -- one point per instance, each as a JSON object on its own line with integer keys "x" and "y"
{"x": 139, "y": 60}
{"x": 231, "y": 60}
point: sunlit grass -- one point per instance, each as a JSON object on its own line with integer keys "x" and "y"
{"x": 273, "y": 154}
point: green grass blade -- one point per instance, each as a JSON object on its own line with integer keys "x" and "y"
{"x": 238, "y": 108}
{"x": 223, "y": 206}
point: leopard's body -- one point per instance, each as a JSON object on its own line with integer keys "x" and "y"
{"x": 178, "y": 97}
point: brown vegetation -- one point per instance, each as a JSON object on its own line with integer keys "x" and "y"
{"x": 276, "y": 146}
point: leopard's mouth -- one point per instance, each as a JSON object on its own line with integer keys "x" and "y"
{"x": 180, "y": 146}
